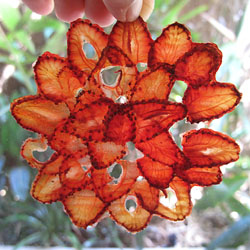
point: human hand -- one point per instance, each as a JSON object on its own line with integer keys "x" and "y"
{"x": 102, "y": 12}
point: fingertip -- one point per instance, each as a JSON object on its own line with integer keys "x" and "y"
{"x": 68, "y": 10}
{"x": 96, "y": 11}
{"x": 124, "y": 10}
{"x": 42, "y": 7}
{"x": 147, "y": 9}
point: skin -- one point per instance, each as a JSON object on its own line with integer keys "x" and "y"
{"x": 102, "y": 12}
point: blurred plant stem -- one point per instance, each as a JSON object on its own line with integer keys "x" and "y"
{"x": 27, "y": 81}
{"x": 139, "y": 240}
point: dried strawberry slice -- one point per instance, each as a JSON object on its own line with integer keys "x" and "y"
{"x": 72, "y": 174}
{"x": 153, "y": 117}
{"x": 147, "y": 195}
{"x": 157, "y": 174}
{"x": 172, "y": 44}
{"x": 163, "y": 149}
{"x": 87, "y": 119}
{"x": 133, "y": 38}
{"x": 38, "y": 114}
{"x": 210, "y": 101}
{"x": 46, "y": 70}
{"x": 205, "y": 176}
{"x": 120, "y": 125}
{"x": 121, "y": 72}
{"x": 199, "y": 65}
{"x": 110, "y": 187}
{"x": 80, "y": 33}
{"x": 133, "y": 218}
{"x": 156, "y": 84}
{"x": 47, "y": 186}
{"x": 67, "y": 143}
{"x": 104, "y": 154}
{"x": 183, "y": 205}
{"x": 84, "y": 208}
{"x": 31, "y": 145}
{"x": 206, "y": 147}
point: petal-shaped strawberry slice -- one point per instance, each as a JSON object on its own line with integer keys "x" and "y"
{"x": 87, "y": 120}
{"x": 55, "y": 80}
{"x": 110, "y": 184}
{"x": 84, "y": 208}
{"x": 82, "y": 32}
{"x": 133, "y": 38}
{"x": 210, "y": 101}
{"x": 204, "y": 176}
{"x": 73, "y": 175}
{"x": 115, "y": 73}
{"x": 156, "y": 84}
{"x": 157, "y": 174}
{"x": 31, "y": 145}
{"x": 67, "y": 143}
{"x": 199, "y": 65}
{"x": 172, "y": 44}
{"x": 47, "y": 186}
{"x": 147, "y": 195}
{"x": 183, "y": 205}
{"x": 155, "y": 116}
{"x": 38, "y": 114}
{"x": 46, "y": 70}
{"x": 104, "y": 154}
{"x": 70, "y": 86}
{"x": 163, "y": 149}
{"x": 134, "y": 218}
{"x": 206, "y": 147}
{"x": 120, "y": 126}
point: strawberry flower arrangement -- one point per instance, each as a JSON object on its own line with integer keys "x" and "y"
{"x": 98, "y": 127}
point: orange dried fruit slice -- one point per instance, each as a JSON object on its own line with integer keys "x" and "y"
{"x": 156, "y": 84}
{"x": 38, "y": 114}
{"x": 133, "y": 218}
{"x": 171, "y": 45}
{"x": 147, "y": 195}
{"x": 206, "y": 147}
{"x": 210, "y": 101}
{"x": 104, "y": 154}
{"x": 205, "y": 176}
{"x": 84, "y": 208}
{"x": 157, "y": 174}
{"x": 83, "y": 32}
{"x": 153, "y": 117}
{"x": 133, "y": 38}
{"x": 183, "y": 205}
{"x": 163, "y": 149}
{"x": 199, "y": 65}
{"x": 109, "y": 187}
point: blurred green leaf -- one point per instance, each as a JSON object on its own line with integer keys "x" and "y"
{"x": 173, "y": 13}
{"x": 19, "y": 181}
{"x": 220, "y": 193}
{"x": 238, "y": 207}
{"x": 40, "y": 25}
{"x": 193, "y": 13}
{"x": 234, "y": 236}
{"x": 24, "y": 38}
{"x": 9, "y": 16}
{"x": 30, "y": 239}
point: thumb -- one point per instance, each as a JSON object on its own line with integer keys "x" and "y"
{"x": 124, "y": 10}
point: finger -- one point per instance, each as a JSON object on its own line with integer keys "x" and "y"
{"x": 68, "y": 10}
{"x": 42, "y": 7}
{"x": 147, "y": 9}
{"x": 124, "y": 10}
{"x": 96, "y": 11}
